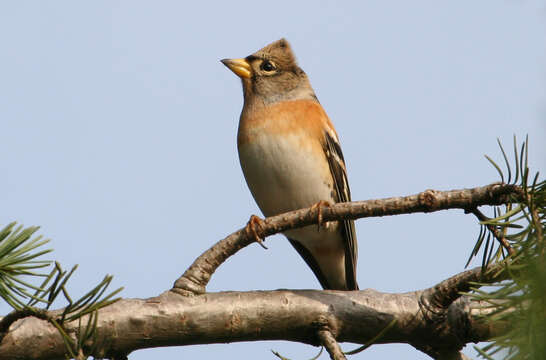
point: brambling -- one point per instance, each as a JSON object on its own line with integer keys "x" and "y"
{"x": 291, "y": 158}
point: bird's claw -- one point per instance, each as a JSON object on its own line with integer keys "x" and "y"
{"x": 250, "y": 229}
{"x": 318, "y": 206}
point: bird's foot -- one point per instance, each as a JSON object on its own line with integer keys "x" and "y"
{"x": 250, "y": 229}
{"x": 318, "y": 206}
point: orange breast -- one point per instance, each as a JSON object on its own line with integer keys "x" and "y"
{"x": 285, "y": 118}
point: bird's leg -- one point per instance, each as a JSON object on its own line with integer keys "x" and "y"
{"x": 318, "y": 206}
{"x": 250, "y": 229}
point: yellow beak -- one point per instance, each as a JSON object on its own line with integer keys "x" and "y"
{"x": 240, "y": 67}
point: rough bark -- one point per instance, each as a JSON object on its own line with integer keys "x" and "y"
{"x": 295, "y": 315}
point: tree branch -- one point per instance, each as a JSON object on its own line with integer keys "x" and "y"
{"x": 15, "y": 315}
{"x": 331, "y": 345}
{"x": 197, "y": 276}
{"x": 437, "y": 321}
{"x": 307, "y": 316}
{"x": 496, "y": 233}
{"x": 436, "y": 302}
{"x": 446, "y": 292}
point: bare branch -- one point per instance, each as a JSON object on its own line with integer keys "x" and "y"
{"x": 457, "y": 327}
{"x": 294, "y": 315}
{"x": 15, "y": 315}
{"x": 446, "y": 292}
{"x": 197, "y": 276}
{"x": 438, "y": 321}
{"x": 331, "y": 345}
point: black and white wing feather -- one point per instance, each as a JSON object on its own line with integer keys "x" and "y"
{"x": 341, "y": 185}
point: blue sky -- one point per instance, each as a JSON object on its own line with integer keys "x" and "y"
{"x": 119, "y": 126}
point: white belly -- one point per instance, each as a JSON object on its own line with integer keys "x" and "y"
{"x": 283, "y": 176}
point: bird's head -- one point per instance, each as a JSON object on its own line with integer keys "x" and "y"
{"x": 272, "y": 74}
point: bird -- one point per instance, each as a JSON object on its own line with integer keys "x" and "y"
{"x": 291, "y": 159}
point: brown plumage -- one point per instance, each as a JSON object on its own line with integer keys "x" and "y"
{"x": 291, "y": 158}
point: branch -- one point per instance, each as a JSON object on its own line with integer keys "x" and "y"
{"x": 15, "y": 315}
{"x": 435, "y": 304}
{"x": 446, "y": 292}
{"x": 496, "y": 233}
{"x": 197, "y": 276}
{"x": 307, "y": 316}
{"x": 331, "y": 345}
{"x": 437, "y": 321}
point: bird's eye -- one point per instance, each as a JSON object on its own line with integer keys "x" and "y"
{"x": 267, "y": 66}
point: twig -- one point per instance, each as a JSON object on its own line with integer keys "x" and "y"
{"x": 331, "y": 345}
{"x": 496, "y": 233}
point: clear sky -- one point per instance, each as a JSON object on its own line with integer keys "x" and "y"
{"x": 119, "y": 125}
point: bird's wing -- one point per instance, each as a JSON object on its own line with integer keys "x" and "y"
{"x": 332, "y": 149}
